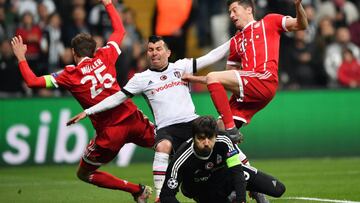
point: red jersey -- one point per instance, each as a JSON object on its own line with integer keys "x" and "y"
{"x": 94, "y": 79}
{"x": 256, "y": 46}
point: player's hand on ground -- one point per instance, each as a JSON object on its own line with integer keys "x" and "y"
{"x": 192, "y": 78}
{"x": 76, "y": 118}
{"x": 19, "y": 48}
{"x": 106, "y": 2}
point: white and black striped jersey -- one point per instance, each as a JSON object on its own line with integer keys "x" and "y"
{"x": 196, "y": 173}
{"x": 168, "y": 96}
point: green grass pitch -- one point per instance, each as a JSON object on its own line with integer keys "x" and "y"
{"x": 330, "y": 180}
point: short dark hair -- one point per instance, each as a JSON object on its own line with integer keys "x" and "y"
{"x": 156, "y": 38}
{"x": 206, "y": 125}
{"x": 244, "y": 3}
{"x": 83, "y": 45}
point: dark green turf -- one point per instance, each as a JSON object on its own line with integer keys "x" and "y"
{"x": 337, "y": 179}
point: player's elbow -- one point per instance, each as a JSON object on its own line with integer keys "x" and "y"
{"x": 31, "y": 85}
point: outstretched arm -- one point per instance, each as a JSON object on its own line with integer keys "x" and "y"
{"x": 194, "y": 79}
{"x": 213, "y": 56}
{"x": 106, "y": 104}
{"x": 31, "y": 80}
{"x": 116, "y": 22}
{"x": 300, "y": 22}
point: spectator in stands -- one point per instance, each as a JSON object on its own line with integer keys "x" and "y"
{"x": 212, "y": 23}
{"x": 26, "y": 6}
{"x": 77, "y": 25}
{"x": 300, "y": 67}
{"x": 8, "y": 17}
{"x": 99, "y": 21}
{"x": 51, "y": 43}
{"x": 343, "y": 12}
{"x": 349, "y": 70}
{"x": 31, "y": 34}
{"x": 43, "y": 15}
{"x": 132, "y": 46}
{"x": 172, "y": 20}
{"x": 11, "y": 82}
{"x": 333, "y": 54}
{"x": 354, "y": 32}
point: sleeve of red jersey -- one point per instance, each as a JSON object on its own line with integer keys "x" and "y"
{"x": 112, "y": 50}
{"x": 234, "y": 58}
{"x": 30, "y": 78}
{"x": 277, "y": 21}
{"x": 61, "y": 78}
{"x": 116, "y": 23}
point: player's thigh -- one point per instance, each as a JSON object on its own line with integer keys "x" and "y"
{"x": 227, "y": 78}
{"x": 95, "y": 155}
{"x": 141, "y": 131}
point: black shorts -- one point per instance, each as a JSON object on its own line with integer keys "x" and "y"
{"x": 176, "y": 134}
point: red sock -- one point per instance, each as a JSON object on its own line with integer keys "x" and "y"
{"x": 106, "y": 180}
{"x": 221, "y": 102}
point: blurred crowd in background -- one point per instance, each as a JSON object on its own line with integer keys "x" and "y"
{"x": 326, "y": 55}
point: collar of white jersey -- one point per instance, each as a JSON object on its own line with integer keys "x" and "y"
{"x": 247, "y": 25}
{"x": 83, "y": 59}
{"x": 162, "y": 70}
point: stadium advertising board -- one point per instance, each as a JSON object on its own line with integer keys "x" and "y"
{"x": 294, "y": 124}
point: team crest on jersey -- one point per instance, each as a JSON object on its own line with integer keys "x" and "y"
{"x": 163, "y": 77}
{"x": 245, "y": 81}
{"x": 177, "y": 74}
{"x": 209, "y": 165}
{"x": 218, "y": 159}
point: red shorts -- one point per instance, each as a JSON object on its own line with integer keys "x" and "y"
{"x": 256, "y": 91}
{"x": 108, "y": 141}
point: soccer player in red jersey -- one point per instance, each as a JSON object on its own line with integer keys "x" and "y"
{"x": 254, "y": 52}
{"x": 253, "y": 64}
{"x": 90, "y": 81}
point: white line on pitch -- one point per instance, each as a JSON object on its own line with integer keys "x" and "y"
{"x": 320, "y": 200}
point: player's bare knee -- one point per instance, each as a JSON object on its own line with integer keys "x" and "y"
{"x": 164, "y": 146}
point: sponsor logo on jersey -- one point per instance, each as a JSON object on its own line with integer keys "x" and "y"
{"x": 169, "y": 85}
{"x": 163, "y": 77}
{"x": 172, "y": 183}
{"x": 177, "y": 74}
{"x": 218, "y": 159}
{"x": 257, "y": 25}
{"x": 209, "y": 165}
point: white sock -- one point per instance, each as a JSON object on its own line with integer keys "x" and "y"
{"x": 160, "y": 164}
